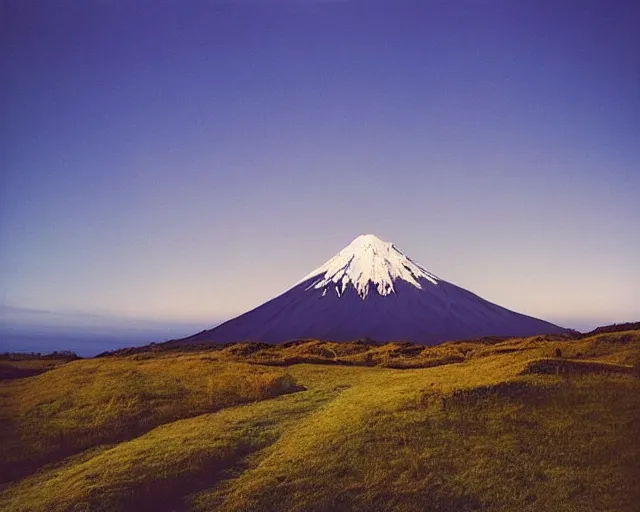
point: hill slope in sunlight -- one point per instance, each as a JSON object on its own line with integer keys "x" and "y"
{"x": 495, "y": 425}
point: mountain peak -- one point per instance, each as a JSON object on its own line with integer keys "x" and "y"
{"x": 368, "y": 263}
{"x": 365, "y": 240}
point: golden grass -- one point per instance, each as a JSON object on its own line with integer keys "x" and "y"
{"x": 381, "y": 445}
{"x": 89, "y": 402}
{"x": 480, "y": 434}
{"x": 151, "y": 471}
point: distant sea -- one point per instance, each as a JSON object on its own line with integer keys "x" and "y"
{"x": 85, "y": 343}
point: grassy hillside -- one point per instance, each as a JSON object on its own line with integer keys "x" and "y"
{"x": 498, "y": 425}
{"x": 91, "y": 402}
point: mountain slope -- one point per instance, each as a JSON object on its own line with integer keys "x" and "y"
{"x": 371, "y": 289}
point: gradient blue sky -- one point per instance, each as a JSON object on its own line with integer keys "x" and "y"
{"x": 181, "y": 162}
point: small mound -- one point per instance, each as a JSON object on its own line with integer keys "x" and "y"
{"x": 401, "y": 364}
{"x": 551, "y": 366}
{"x": 514, "y": 390}
{"x": 246, "y": 348}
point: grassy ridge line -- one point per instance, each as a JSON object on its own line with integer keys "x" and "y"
{"x": 154, "y": 471}
{"x": 618, "y": 345}
{"x": 90, "y": 402}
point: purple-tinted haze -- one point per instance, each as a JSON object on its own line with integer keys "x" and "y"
{"x": 185, "y": 161}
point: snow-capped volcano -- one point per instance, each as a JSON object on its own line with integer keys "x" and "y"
{"x": 370, "y": 289}
{"x": 368, "y": 261}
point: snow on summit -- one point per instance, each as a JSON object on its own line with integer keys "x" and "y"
{"x": 365, "y": 262}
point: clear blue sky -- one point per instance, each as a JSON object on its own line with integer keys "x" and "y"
{"x": 185, "y": 161}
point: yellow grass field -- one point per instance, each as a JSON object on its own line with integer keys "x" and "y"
{"x": 535, "y": 424}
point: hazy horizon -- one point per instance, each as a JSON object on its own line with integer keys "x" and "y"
{"x": 171, "y": 166}
{"x": 87, "y": 334}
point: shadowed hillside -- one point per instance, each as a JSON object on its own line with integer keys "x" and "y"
{"x": 16, "y": 366}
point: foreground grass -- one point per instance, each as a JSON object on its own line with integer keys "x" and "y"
{"x": 454, "y": 438}
{"x": 90, "y": 402}
{"x": 573, "y": 452}
{"x": 496, "y": 431}
{"x": 154, "y": 471}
